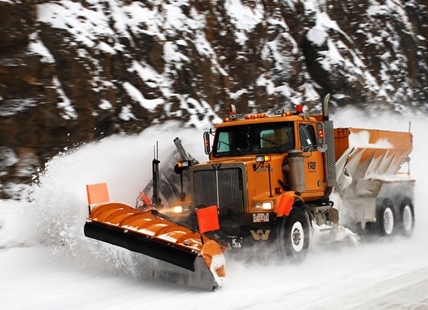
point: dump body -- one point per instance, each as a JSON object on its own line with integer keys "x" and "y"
{"x": 370, "y": 151}
{"x": 370, "y": 168}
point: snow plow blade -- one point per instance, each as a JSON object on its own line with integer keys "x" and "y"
{"x": 152, "y": 234}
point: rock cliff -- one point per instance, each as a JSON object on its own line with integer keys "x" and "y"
{"x": 77, "y": 71}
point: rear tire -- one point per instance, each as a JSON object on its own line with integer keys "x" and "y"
{"x": 407, "y": 219}
{"x": 386, "y": 220}
{"x": 293, "y": 236}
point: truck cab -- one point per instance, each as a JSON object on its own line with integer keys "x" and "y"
{"x": 275, "y": 138}
{"x": 256, "y": 162}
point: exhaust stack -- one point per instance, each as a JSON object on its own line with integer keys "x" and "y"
{"x": 325, "y": 113}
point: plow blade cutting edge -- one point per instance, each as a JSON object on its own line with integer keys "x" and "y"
{"x": 150, "y": 233}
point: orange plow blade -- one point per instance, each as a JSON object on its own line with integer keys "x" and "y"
{"x": 152, "y": 234}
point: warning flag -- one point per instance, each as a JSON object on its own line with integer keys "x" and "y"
{"x": 97, "y": 193}
{"x": 285, "y": 205}
{"x": 207, "y": 219}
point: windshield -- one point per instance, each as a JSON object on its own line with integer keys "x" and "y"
{"x": 254, "y": 139}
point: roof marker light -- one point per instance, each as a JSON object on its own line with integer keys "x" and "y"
{"x": 278, "y": 111}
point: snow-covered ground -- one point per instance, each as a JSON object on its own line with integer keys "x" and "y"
{"x": 47, "y": 263}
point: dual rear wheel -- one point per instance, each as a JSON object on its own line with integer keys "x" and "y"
{"x": 387, "y": 220}
{"x": 407, "y": 219}
{"x": 391, "y": 222}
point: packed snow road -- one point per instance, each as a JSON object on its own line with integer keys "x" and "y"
{"x": 391, "y": 275}
{"x": 47, "y": 263}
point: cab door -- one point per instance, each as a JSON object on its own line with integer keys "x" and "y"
{"x": 313, "y": 160}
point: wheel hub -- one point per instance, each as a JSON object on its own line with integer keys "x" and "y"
{"x": 297, "y": 237}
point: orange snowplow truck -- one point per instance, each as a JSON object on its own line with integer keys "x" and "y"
{"x": 276, "y": 180}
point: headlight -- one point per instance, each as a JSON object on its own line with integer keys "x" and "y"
{"x": 178, "y": 209}
{"x": 263, "y": 205}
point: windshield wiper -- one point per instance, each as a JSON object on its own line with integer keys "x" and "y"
{"x": 276, "y": 145}
{"x": 232, "y": 148}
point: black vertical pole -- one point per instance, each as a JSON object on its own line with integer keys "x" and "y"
{"x": 155, "y": 175}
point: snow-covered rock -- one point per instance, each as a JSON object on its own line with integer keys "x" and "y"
{"x": 75, "y": 71}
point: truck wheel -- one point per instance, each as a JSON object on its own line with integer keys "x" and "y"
{"x": 407, "y": 219}
{"x": 293, "y": 236}
{"x": 386, "y": 220}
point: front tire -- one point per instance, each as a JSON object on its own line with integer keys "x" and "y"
{"x": 293, "y": 236}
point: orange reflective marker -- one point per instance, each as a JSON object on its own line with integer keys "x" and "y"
{"x": 97, "y": 193}
{"x": 207, "y": 219}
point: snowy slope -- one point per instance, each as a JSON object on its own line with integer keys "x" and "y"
{"x": 47, "y": 263}
{"x": 84, "y": 70}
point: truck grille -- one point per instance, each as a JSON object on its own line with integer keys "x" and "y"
{"x": 222, "y": 187}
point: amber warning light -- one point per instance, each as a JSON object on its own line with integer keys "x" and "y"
{"x": 263, "y": 158}
{"x": 183, "y": 164}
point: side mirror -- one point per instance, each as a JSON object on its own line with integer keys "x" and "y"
{"x": 207, "y": 144}
{"x": 321, "y": 143}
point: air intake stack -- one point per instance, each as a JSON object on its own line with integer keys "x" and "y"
{"x": 330, "y": 162}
